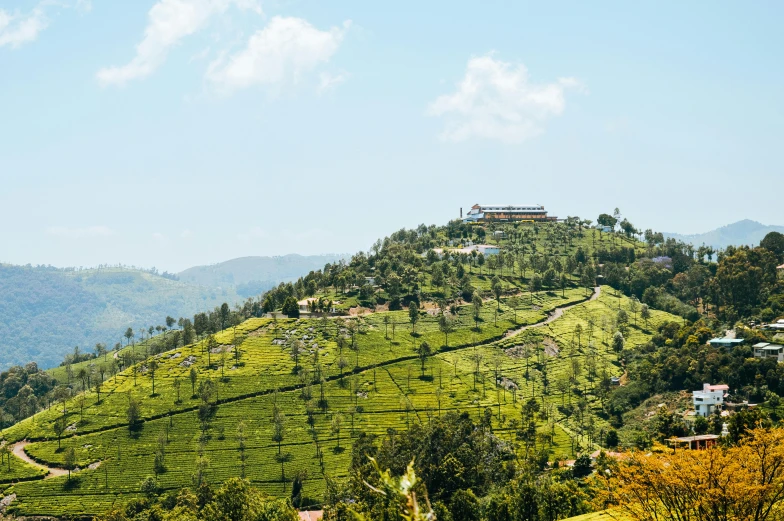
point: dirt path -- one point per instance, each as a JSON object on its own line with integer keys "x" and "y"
{"x": 555, "y": 314}
{"x": 19, "y": 451}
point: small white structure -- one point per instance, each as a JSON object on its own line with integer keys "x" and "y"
{"x": 768, "y": 350}
{"x": 484, "y": 249}
{"x": 709, "y": 399}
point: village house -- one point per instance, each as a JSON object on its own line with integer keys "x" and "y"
{"x": 699, "y": 442}
{"x": 709, "y": 399}
{"x": 768, "y": 350}
{"x": 725, "y": 342}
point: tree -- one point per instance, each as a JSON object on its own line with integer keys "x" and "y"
{"x": 413, "y": 315}
{"x": 176, "y": 383}
{"x": 498, "y": 290}
{"x": 296, "y": 348}
{"x": 446, "y": 323}
{"x": 774, "y": 242}
{"x": 645, "y": 314}
{"x": 100, "y": 350}
{"x": 193, "y": 375}
{"x": 69, "y": 460}
{"x": 59, "y": 428}
{"x": 618, "y": 342}
{"x": 133, "y": 414}
{"x": 337, "y": 424}
{"x": 634, "y": 307}
{"x": 476, "y": 304}
{"x": 424, "y": 351}
{"x": 612, "y": 438}
{"x": 128, "y": 335}
{"x": 290, "y": 308}
{"x": 622, "y": 320}
{"x": 607, "y": 220}
{"x": 152, "y": 367}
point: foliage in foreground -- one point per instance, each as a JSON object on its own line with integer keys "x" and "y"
{"x": 236, "y": 500}
{"x": 742, "y": 482}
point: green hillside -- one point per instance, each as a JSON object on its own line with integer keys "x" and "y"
{"x": 271, "y": 398}
{"x": 84, "y": 307}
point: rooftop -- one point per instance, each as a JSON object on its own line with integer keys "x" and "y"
{"x": 725, "y": 340}
{"x": 699, "y": 437}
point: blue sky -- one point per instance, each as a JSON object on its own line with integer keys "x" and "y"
{"x": 172, "y": 133}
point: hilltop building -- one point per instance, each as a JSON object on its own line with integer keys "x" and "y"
{"x": 709, "y": 399}
{"x": 507, "y": 213}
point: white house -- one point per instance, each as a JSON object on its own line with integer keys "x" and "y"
{"x": 709, "y": 399}
{"x": 768, "y": 350}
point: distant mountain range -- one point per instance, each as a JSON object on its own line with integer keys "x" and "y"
{"x": 46, "y": 311}
{"x": 254, "y": 275}
{"x": 746, "y": 232}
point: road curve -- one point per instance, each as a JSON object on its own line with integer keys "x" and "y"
{"x": 19, "y": 451}
{"x": 555, "y": 314}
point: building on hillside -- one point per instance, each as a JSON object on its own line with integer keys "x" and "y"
{"x": 304, "y": 305}
{"x": 484, "y": 249}
{"x": 709, "y": 399}
{"x": 768, "y": 350}
{"x": 700, "y": 442}
{"x": 775, "y": 326}
{"x": 507, "y": 213}
{"x": 725, "y": 342}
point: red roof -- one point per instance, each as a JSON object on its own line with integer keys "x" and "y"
{"x": 720, "y": 387}
{"x": 311, "y": 515}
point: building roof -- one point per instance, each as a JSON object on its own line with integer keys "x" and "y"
{"x": 725, "y": 340}
{"x": 699, "y": 437}
{"x": 780, "y": 267}
{"x": 311, "y": 515}
{"x": 719, "y": 387}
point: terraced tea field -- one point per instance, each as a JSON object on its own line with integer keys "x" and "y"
{"x": 324, "y": 393}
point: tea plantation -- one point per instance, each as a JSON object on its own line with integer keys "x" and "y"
{"x": 270, "y": 398}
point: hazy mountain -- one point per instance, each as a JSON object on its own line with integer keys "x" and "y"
{"x": 45, "y": 312}
{"x": 252, "y": 275}
{"x": 742, "y": 232}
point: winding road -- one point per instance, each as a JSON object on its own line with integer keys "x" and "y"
{"x": 18, "y": 450}
{"x": 555, "y": 314}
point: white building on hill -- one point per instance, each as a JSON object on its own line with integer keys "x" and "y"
{"x": 709, "y": 399}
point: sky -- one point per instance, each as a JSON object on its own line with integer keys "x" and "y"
{"x": 174, "y": 133}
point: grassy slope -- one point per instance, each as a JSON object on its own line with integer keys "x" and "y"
{"x": 19, "y": 471}
{"x": 387, "y": 393}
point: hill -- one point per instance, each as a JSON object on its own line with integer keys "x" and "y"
{"x": 84, "y": 307}
{"x": 253, "y": 275}
{"x": 745, "y": 232}
{"x": 275, "y": 398}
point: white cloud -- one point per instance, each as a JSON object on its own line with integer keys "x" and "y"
{"x": 496, "y": 100}
{"x": 281, "y": 53}
{"x": 329, "y": 81}
{"x": 17, "y": 29}
{"x": 186, "y": 234}
{"x": 168, "y": 22}
{"x": 64, "y": 232}
{"x": 159, "y": 237}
